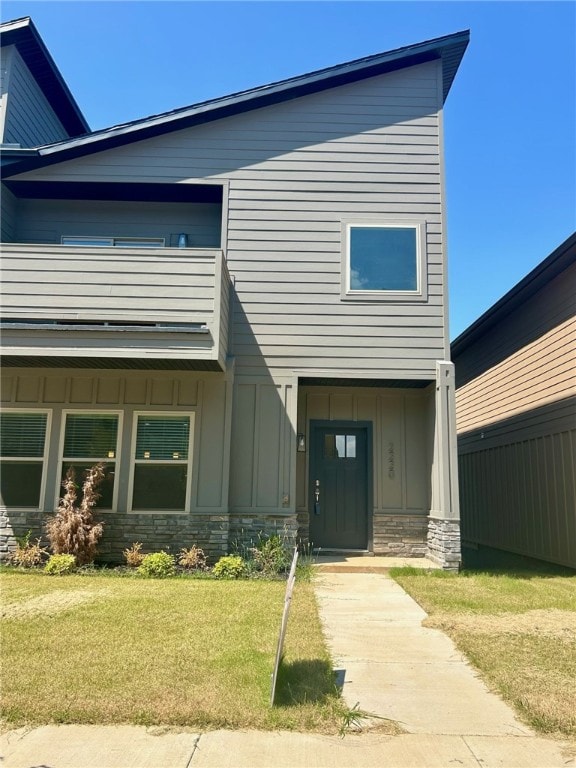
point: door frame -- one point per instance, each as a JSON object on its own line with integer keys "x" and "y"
{"x": 345, "y": 424}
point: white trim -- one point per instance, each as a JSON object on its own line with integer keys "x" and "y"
{"x": 189, "y": 462}
{"x": 108, "y": 241}
{"x": 44, "y": 459}
{"x": 384, "y": 222}
{"x": 91, "y": 459}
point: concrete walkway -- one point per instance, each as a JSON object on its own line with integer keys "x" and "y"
{"x": 391, "y": 666}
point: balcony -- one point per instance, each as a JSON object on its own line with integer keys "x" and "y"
{"x": 111, "y": 307}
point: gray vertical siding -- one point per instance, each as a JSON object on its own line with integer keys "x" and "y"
{"x": 296, "y": 171}
{"x": 29, "y": 118}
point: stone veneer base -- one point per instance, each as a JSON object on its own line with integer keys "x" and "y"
{"x": 217, "y": 534}
{"x": 444, "y": 543}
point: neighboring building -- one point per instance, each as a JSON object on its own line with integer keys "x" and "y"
{"x": 516, "y": 415}
{"x": 240, "y": 307}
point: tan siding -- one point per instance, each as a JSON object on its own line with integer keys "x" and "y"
{"x": 296, "y": 171}
{"x": 203, "y": 394}
{"x": 260, "y": 466}
{"x": 539, "y": 373}
{"x": 401, "y": 441}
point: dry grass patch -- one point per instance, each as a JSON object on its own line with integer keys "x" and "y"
{"x": 519, "y": 630}
{"x": 178, "y": 652}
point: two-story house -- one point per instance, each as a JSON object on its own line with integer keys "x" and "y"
{"x": 239, "y": 307}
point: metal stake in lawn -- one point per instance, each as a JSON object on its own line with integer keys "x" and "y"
{"x": 287, "y": 599}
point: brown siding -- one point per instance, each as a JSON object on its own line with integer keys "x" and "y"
{"x": 539, "y": 373}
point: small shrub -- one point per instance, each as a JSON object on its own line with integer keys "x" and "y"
{"x": 133, "y": 555}
{"x": 60, "y": 565}
{"x": 72, "y": 530}
{"x": 192, "y": 559}
{"x": 157, "y": 565}
{"x": 230, "y": 567}
{"x": 27, "y": 555}
{"x": 270, "y": 555}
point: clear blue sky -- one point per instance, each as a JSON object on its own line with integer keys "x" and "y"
{"x": 510, "y": 118}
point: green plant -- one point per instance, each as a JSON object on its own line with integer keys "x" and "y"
{"x": 270, "y": 555}
{"x": 27, "y": 555}
{"x": 230, "y": 567}
{"x": 133, "y": 555}
{"x": 60, "y": 565}
{"x": 192, "y": 559}
{"x": 72, "y": 530}
{"x": 157, "y": 565}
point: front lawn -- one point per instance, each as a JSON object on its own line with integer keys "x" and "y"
{"x": 519, "y": 631}
{"x": 187, "y": 652}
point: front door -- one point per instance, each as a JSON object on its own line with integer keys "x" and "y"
{"x": 338, "y": 485}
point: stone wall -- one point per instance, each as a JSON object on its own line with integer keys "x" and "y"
{"x": 155, "y": 531}
{"x": 444, "y": 543}
{"x": 245, "y": 528}
{"x": 400, "y": 535}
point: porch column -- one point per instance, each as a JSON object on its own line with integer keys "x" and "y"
{"x": 444, "y": 522}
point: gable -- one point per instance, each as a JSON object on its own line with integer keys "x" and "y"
{"x": 392, "y": 116}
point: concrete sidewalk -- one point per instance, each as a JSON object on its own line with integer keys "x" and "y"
{"x": 391, "y": 666}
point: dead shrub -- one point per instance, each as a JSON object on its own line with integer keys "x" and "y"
{"x": 27, "y": 555}
{"x": 192, "y": 559}
{"x": 72, "y": 530}
{"x": 134, "y": 555}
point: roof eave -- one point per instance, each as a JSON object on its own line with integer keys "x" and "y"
{"x": 561, "y": 258}
{"x": 449, "y": 49}
{"x": 23, "y": 34}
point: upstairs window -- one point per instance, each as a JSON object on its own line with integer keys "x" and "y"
{"x": 384, "y": 261}
{"x": 23, "y": 446}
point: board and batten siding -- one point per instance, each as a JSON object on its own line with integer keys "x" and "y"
{"x": 296, "y": 172}
{"x": 516, "y": 416}
{"x": 29, "y": 120}
{"x": 204, "y": 394}
{"x": 402, "y": 441}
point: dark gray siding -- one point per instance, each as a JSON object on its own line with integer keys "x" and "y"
{"x": 29, "y": 118}
{"x": 46, "y": 221}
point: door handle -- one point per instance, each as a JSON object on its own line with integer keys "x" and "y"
{"x": 317, "y": 497}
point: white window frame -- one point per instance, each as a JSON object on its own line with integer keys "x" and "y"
{"x": 133, "y": 461}
{"x": 421, "y": 292}
{"x": 48, "y": 413}
{"x": 113, "y": 242}
{"x": 80, "y": 460}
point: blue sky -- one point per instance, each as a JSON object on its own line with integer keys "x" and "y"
{"x": 510, "y": 118}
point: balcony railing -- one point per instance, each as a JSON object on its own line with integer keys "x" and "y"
{"x": 163, "y": 304}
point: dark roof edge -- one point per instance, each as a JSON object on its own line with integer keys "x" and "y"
{"x": 454, "y": 45}
{"x": 547, "y": 270}
{"x": 23, "y": 34}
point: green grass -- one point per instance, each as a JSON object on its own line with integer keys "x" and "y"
{"x": 183, "y": 652}
{"x": 517, "y": 628}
